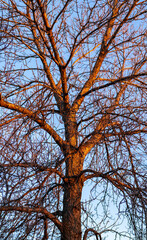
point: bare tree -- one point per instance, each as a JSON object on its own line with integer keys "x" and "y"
{"x": 73, "y": 111}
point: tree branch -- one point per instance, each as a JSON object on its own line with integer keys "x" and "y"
{"x": 29, "y": 210}
{"x": 32, "y": 115}
{"x": 127, "y": 78}
{"x": 91, "y": 230}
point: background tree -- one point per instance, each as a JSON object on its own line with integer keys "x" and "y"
{"x": 73, "y": 111}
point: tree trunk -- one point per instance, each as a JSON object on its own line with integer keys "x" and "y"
{"x": 72, "y": 210}
{"x": 72, "y": 199}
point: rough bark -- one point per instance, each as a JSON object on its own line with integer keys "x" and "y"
{"x": 72, "y": 210}
{"x": 73, "y": 183}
